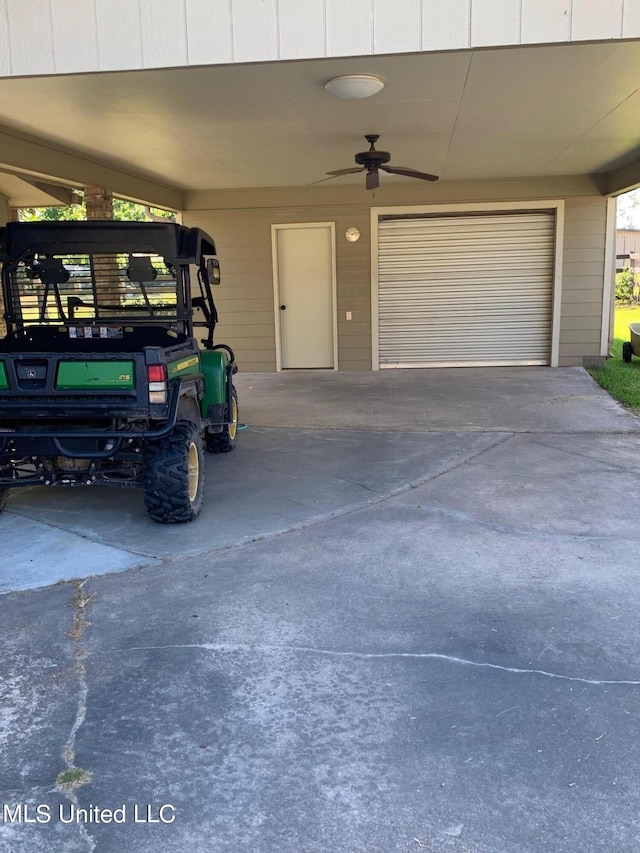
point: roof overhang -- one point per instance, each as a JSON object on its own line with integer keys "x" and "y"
{"x": 467, "y": 115}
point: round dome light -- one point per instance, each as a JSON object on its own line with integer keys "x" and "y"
{"x": 354, "y": 86}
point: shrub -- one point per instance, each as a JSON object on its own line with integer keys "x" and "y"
{"x": 624, "y": 285}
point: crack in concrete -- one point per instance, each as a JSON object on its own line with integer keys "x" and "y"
{"x": 356, "y": 483}
{"x": 521, "y": 531}
{"x": 73, "y": 777}
{"x": 251, "y": 647}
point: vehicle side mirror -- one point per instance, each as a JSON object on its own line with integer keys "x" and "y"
{"x": 213, "y": 270}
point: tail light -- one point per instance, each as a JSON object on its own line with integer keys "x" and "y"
{"x": 158, "y": 386}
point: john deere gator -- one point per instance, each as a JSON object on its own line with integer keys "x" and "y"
{"x": 102, "y": 382}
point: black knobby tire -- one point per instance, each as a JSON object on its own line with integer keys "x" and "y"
{"x": 626, "y": 351}
{"x": 174, "y": 475}
{"x": 225, "y": 441}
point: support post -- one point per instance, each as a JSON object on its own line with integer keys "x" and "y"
{"x": 98, "y": 202}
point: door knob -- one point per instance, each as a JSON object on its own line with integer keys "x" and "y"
{"x": 283, "y": 307}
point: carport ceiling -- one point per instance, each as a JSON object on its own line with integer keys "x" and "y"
{"x": 482, "y": 114}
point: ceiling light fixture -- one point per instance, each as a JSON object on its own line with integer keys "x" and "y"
{"x": 354, "y": 86}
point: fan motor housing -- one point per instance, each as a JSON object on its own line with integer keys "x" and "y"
{"x": 372, "y": 158}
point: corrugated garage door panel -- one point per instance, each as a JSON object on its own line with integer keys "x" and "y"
{"x": 466, "y": 289}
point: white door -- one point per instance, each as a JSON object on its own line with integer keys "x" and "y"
{"x": 304, "y": 272}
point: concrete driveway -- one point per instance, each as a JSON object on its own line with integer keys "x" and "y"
{"x": 406, "y": 620}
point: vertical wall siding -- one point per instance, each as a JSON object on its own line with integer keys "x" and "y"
{"x": 5, "y": 42}
{"x": 545, "y": 21}
{"x": 209, "y": 32}
{"x": 349, "y": 27}
{"x": 30, "y": 24}
{"x": 582, "y": 280}
{"x": 302, "y": 29}
{"x": 596, "y": 19}
{"x": 164, "y": 33}
{"x": 107, "y": 35}
{"x": 255, "y": 30}
{"x": 397, "y": 25}
{"x": 495, "y": 22}
{"x": 446, "y": 26}
{"x": 119, "y": 32}
{"x": 75, "y": 35}
{"x": 631, "y": 19}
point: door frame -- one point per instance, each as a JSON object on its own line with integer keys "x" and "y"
{"x": 556, "y": 205}
{"x": 276, "y": 285}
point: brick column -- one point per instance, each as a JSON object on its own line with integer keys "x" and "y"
{"x": 99, "y": 205}
{"x": 99, "y": 202}
{"x": 5, "y": 216}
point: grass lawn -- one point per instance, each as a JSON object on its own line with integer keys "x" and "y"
{"x": 621, "y": 380}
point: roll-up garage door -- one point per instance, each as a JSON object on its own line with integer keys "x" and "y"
{"x": 470, "y": 289}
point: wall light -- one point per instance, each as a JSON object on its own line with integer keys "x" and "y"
{"x": 354, "y": 86}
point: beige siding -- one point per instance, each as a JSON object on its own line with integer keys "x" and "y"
{"x": 241, "y": 221}
{"x": 582, "y": 280}
{"x": 107, "y": 35}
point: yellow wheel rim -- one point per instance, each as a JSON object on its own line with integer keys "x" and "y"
{"x": 193, "y": 471}
{"x": 233, "y": 426}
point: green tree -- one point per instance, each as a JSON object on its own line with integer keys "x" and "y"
{"x": 122, "y": 210}
{"x": 52, "y": 214}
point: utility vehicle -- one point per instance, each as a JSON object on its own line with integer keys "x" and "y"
{"x": 102, "y": 382}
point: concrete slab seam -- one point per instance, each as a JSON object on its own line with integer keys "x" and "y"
{"x": 85, "y": 536}
{"x": 520, "y": 531}
{"x": 631, "y": 430}
{"x": 246, "y": 647}
{"x": 350, "y": 510}
{"x": 608, "y": 466}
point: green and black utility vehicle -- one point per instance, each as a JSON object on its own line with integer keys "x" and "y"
{"x": 101, "y": 379}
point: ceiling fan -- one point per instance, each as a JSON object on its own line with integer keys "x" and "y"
{"x": 371, "y": 161}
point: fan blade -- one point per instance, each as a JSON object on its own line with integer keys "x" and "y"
{"x": 322, "y": 180}
{"x": 336, "y": 174}
{"x": 351, "y": 171}
{"x": 409, "y": 173}
{"x": 373, "y": 179}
